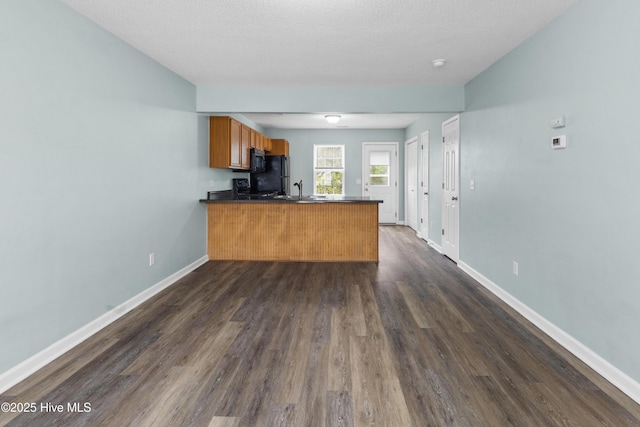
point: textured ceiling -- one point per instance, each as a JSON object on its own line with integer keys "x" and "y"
{"x": 323, "y": 42}
{"x": 317, "y": 121}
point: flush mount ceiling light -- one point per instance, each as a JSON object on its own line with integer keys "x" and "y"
{"x": 332, "y": 118}
{"x": 437, "y": 63}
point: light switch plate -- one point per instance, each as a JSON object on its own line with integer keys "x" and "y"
{"x": 472, "y": 185}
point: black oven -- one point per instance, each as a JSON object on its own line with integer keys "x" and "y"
{"x": 242, "y": 190}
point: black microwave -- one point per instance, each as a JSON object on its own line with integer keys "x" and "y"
{"x": 258, "y": 161}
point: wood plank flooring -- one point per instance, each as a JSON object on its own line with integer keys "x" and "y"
{"x": 412, "y": 341}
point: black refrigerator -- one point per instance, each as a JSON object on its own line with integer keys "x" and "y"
{"x": 274, "y": 178}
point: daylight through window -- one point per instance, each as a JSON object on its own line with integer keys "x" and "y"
{"x": 379, "y": 169}
{"x": 328, "y": 161}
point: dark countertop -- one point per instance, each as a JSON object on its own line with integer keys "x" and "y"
{"x": 224, "y": 197}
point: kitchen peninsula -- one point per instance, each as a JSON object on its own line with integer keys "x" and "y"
{"x": 310, "y": 228}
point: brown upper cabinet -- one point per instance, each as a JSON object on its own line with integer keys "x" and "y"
{"x": 266, "y": 143}
{"x": 225, "y": 144}
{"x": 245, "y": 150}
{"x": 279, "y": 147}
{"x": 255, "y": 141}
{"x": 260, "y": 141}
{"x": 230, "y": 142}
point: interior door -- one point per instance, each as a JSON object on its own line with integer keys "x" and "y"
{"x": 424, "y": 186}
{"x": 411, "y": 193}
{"x": 379, "y": 177}
{"x": 451, "y": 187}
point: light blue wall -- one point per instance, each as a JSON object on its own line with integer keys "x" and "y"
{"x": 433, "y": 124}
{"x": 569, "y": 217}
{"x": 301, "y": 144}
{"x": 102, "y": 161}
{"x": 392, "y": 99}
{"x": 242, "y": 119}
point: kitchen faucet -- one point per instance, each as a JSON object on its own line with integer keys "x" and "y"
{"x": 299, "y": 185}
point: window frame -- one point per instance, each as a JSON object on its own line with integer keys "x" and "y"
{"x": 316, "y": 168}
{"x": 386, "y": 175}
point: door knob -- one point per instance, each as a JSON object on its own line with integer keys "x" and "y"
{"x": 426, "y": 194}
{"x": 454, "y": 198}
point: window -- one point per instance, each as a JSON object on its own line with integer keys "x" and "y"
{"x": 328, "y": 173}
{"x": 379, "y": 162}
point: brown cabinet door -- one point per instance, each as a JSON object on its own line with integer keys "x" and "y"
{"x": 230, "y": 143}
{"x": 259, "y": 141}
{"x": 254, "y": 139}
{"x": 235, "y": 142}
{"x": 246, "y": 147}
{"x": 279, "y": 147}
{"x": 266, "y": 143}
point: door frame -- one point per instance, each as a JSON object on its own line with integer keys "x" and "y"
{"x": 363, "y": 175}
{"x": 406, "y": 184}
{"x": 425, "y": 226}
{"x": 455, "y": 255}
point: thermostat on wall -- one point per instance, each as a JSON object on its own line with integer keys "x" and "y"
{"x": 558, "y": 142}
{"x": 557, "y": 122}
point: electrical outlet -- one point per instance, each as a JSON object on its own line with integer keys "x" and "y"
{"x": 212, "y": 183}
{"x": 152, "y": 258}
{"x": 515, "y": 268}
{"x": 472, "y": 185}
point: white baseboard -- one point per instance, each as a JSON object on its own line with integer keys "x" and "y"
{"x": 21, "y": 371}
{"x": 614, "y": 375}
{"x": 434, "y": 245}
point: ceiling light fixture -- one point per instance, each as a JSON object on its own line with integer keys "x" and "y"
{"x": 332, "y": 118}
{"x": 437, "y": 63}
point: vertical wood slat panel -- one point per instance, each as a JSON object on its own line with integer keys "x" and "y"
{"x": 293, "y": 231}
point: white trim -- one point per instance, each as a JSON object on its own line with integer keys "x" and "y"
{"x": 614, "y": 375}
{"x": 434, "y": 245}
{"x": 397, "y": 167}
{"x": 456, "y": 255}
{"x": 424, "y": 181}
{"x": 343, "y": 168}
{"x": 21, "y": 371}
{"x": 411, "y": 140}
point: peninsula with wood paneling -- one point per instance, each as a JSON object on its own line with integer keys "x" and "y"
{"x": 293, "y": 229}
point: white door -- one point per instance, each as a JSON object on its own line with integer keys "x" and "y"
{"x": 424, "y": 186}
{"x": 411, "y": 192}
{"x": 451, "y": 187}
{"x": 380, "y": 178}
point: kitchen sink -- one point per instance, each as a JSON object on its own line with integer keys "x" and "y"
{"x": 303, "y": 198}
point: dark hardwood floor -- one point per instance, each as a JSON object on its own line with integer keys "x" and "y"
{"x": 412, "y": 341}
